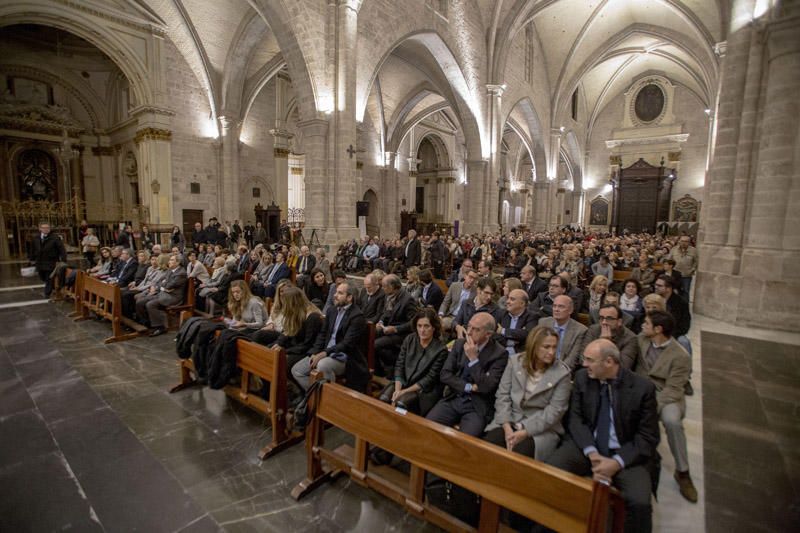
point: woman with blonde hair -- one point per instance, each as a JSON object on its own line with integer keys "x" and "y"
{"x": 532, "y": 398}
{"x": 509, "y": 284}
{"x": 274, "y": 326}
{"x": 302, "y": 322}
{"x": 596, "y": 296}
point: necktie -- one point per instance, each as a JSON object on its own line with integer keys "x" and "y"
{"x": 303, "y": 265}
{"x": 560, "y": 330}
{"x": 603, "y": 421}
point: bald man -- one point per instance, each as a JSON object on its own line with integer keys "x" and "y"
{"x": 515, "y": 322}
{"x": 472, "y": 374}
{"x": 612, "y": 430}
{"x": 571, "y": 333}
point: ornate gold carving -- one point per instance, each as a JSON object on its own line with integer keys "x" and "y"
{"x": 155, "y": 134}
{"x": 615, "y": 160}
{"x": 281, "y": 152}
{"x": 674, "y": 156}
{"x": 296, "y": 171}
{"x": 412, "y": 172}
{"x": 102, "y": 150}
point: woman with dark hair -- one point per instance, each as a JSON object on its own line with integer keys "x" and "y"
{"x": 416, "y": 373}
{"x": 532, "y": 398}
{"x": 631, "y": 303}
{"x": 316, "y": 289}
{"x": 176, "y": 239}
{"x": 146, "y": 239}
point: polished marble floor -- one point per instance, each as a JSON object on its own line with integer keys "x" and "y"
{"x": 91, "y": 441}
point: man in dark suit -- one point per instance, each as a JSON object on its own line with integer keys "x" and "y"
{"x": 472, "y": 374}
{"x": 432, "y": 295}
{"x": 394, "y": 324}
{"x": 249, "y": 230}
{"x": 123, "y": 237}
{"x": 339, "y": 348}
{"x": 46, "y": 250}
{"x": 412, "y": 252}
{"x": 542, "y": 305}
{"x": 515, "y": 322}
{"x": 482, "y": 303}
{"x": 531, "y": 282}
{"x": 198, "y": 235}
{"x": 438, "y": 255}
{"x": 126, "y": 269}
{"x": 278, "y": 271}
{"x": 305, "y": 264}
{"x": 170, "y": 291}
{"x": 612, "y": 430}
{"x": 372, "y": 298}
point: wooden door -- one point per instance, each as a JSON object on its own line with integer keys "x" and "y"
{"x": 190, "y": 217}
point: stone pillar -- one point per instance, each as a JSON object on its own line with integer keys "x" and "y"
{"x": 750, "y": 227}
{"x": 578, "y": 206}
{"x": 770, "y": 292}
{"x": 315, "y": 143}
{"x": 229, "y": 180}
{"x": 281, "y": 145}
{"x": 477, "y": 203}
{"x": 491, "y": 185}
{"x": 389, "y": 201}
{"x": 541, "y": 193}
{"x": 155, "y": 173}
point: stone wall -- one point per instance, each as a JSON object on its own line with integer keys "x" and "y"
{"x": 195, "y": 151}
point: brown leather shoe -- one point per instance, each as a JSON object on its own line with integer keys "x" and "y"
{"x": 686, "y": 486}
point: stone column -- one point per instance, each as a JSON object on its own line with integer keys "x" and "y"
{"x": 770, "y": 292}
{"x": 229, "y": 180}
{"x": 281, "y": 145}
{"x": 315, "y": 143}
{"x": 391, "y": 190}
{"x": 491, "y": 185}
{"x": 477, "y": 203}
{"x": 541, "y": 193}
{"x": 155, "y": 173}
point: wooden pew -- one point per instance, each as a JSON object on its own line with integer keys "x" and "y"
{"x": 269, "y": 365}
{"x": 104, "y": 300}
{"x": 552, "y": 497}
{"x": 76, "y": 292}
{"x": 174, "y": 311}
{"x": 585, "y": 319}
{"x": 442, "y": 285}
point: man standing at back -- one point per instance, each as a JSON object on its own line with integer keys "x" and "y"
{"x": 685, "y": 257}
{"x": 412, "y": 252}
{"x": 612, "y": 431}
{"x": 46, "y": 250}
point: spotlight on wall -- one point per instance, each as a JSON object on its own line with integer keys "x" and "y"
{"x": 561, "y": 129}
{"x": 707, "y": 111}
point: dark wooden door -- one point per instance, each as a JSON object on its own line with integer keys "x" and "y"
{"x": 190, "y": 217}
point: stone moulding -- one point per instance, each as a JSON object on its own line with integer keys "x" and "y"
{"x": 661, "y": 139}
{"x": 281, "y": 152}
{"x": 156, "y": 134}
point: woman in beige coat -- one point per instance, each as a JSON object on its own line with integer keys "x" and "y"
{"x": 532, "y": 398}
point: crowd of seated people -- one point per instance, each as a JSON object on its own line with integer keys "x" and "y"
{"x": 537, "y": 326}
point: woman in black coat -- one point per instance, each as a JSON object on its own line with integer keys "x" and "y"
{"x": 317, "y": 288}
{"x": 416, "y": 373}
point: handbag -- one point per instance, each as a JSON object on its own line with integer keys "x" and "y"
{"x": 27, "y": 272}
{"x": 302, "y": 414}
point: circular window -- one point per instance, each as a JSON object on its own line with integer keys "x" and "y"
{"x": 649, "y": 103}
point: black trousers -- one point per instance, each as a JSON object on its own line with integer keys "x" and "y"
{"x": 458, "y": 410}
{"x": 44, "y": 275}
{"x": 387, "y": 348}
{"x": 632, "y": 481}
{"x": 498, "y": 436}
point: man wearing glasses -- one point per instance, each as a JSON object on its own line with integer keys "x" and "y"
{"x": 483, "y": 303}
{"x": 611, "y": 327}
{"x": 543, "y": 304}
{"x": 612, "y": 430}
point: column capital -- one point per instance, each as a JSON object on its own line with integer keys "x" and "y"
{"x": 556, "y": 132}
{"x": 721, "y": 48}
{"x": 495, "y": 89}
{"x": 156, "y": 134}
{"x": 229, "y": 122}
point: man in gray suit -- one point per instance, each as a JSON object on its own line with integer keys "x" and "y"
{"x": 459, "y": 293}
{"x": 571, "y": 333}
{"x": 170, "y": 291}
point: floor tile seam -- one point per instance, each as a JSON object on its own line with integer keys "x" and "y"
{"x": 265, "y": 514}
{"x": 196, "y": 520}
{"x": 223, "y": 508}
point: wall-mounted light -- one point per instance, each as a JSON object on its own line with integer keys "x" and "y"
{"x": 561, "y": 129}
{"x": 707, "y": 111}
